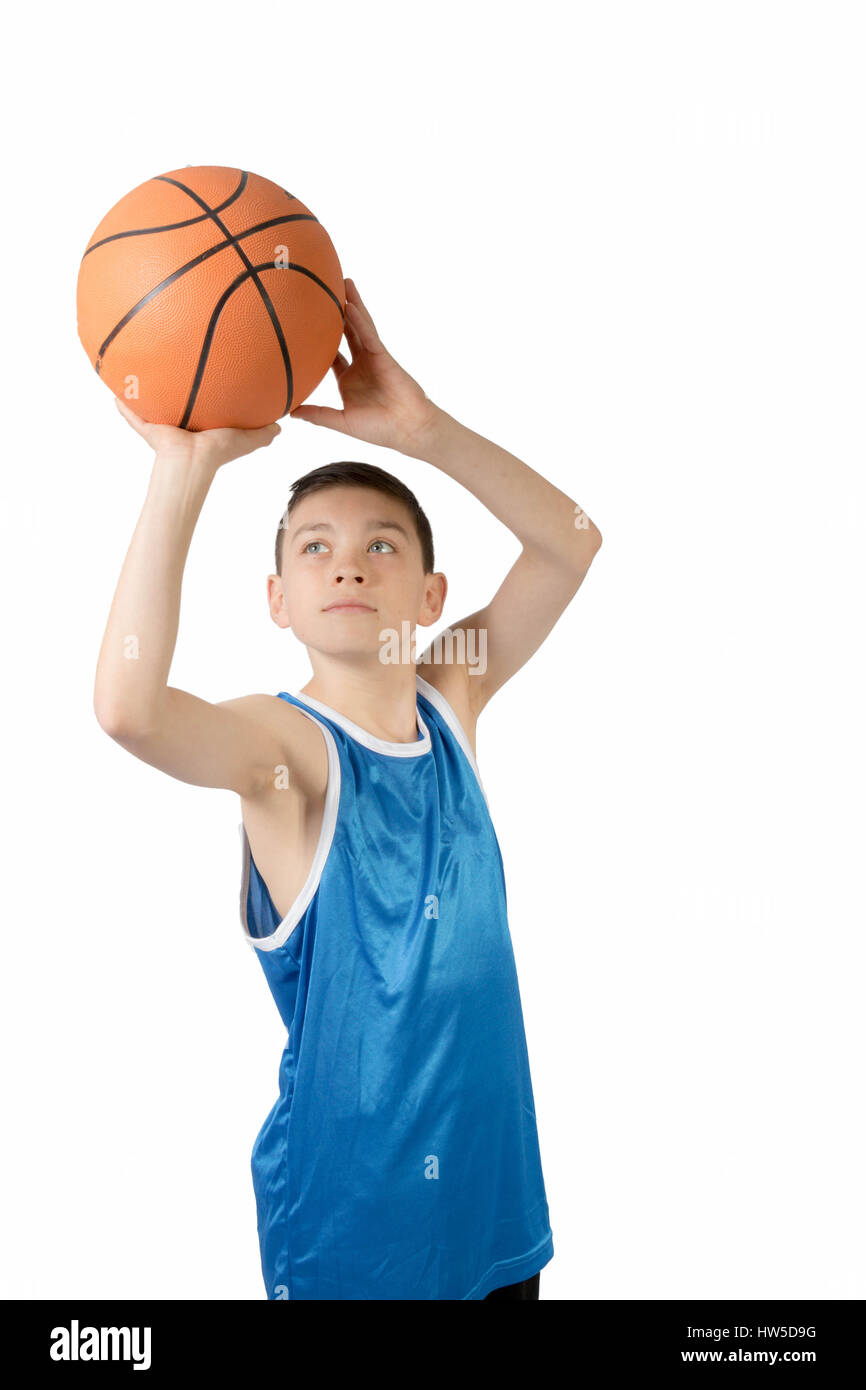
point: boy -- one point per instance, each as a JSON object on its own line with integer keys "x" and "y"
{"x": 401, "y": 1158}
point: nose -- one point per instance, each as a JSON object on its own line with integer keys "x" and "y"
{"x": 348, "y": 566}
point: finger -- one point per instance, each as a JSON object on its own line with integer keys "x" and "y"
{"x": 320, "y": 415}
{"x": 363, "y": 326}
{"x": 353, "y": 295}
{"x": 250, "y": 441}
{"x": 350, "y": 329}
{"x": 356, "y": 299}
{"x": 140, "y": 426}
{"x": 339, "y": 365}
{"x": 358, "y": 327}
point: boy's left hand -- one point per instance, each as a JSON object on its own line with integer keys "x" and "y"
{"x": 382, "y": 403}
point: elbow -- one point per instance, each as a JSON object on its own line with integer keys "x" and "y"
{"x": 114, "y": 720}
{"x": 586, "y": 524}
{"x": 108, "y": 718}
{"x": 102, "y": 711}
{"x": 588, "y": 536}
{"x": 587, "y": 547}
{"x": 592, "y": 543}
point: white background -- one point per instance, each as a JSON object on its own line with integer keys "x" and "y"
{"x": 624, "y": 241}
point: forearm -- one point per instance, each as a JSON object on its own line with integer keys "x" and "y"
{"x": 138, "y": 645}
{"x": 540, "y": 516}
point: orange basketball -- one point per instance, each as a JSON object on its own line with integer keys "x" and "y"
{"x": 211, "y": 297}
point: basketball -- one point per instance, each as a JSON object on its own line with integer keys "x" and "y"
{"x": 210, "y": 297}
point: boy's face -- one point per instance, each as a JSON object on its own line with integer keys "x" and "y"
{"x": 358, "y": 549}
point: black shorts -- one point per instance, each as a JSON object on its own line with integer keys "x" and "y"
{"x": 526, "y": 1289}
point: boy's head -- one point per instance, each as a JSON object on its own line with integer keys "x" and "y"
{"x": 352, "y": 533}
{"x": 350, "y": 474}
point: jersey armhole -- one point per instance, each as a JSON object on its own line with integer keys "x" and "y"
{"x": 282, "y": 932}
{"x": 439, "y": 703}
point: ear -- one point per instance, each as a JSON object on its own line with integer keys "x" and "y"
{"x": 277, "y": 602}
{"x": 434, "y": 599}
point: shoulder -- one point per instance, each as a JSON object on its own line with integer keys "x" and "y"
{"x": 301, "y": 738}
{"x": 269, "y": 710}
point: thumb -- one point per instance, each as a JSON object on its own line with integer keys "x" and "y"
{"x": 321, "y": 415}
{"x": 140, "y": 426}
{"x": 244, "y": 441}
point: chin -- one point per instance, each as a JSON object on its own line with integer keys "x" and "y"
{"x": 345, "y": 646}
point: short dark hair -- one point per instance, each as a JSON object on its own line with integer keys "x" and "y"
{"x": 350, "y": 474}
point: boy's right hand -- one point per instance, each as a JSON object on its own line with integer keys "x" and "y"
{"x": 215, "y": 447}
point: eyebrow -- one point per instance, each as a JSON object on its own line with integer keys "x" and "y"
{"x": 371, "y": 525}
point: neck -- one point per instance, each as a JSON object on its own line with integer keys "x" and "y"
{"x": 379, "y": 698}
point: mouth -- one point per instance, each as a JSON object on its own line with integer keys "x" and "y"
{"x": 348, "y": 608}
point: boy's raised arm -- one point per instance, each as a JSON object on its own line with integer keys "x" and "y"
{"x": 383, "y": 404}
{"x": 559, "y": 544}
{"x": 226, "y": 745}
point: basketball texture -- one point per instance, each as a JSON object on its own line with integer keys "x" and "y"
{"x": 210, "y": 297}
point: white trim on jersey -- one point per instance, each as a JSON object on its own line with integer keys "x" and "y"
{"x": 281, "y": 933}
{"x": 438, "y": 701}
{"x": 378, "y": 745}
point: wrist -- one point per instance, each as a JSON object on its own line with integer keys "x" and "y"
{"x": 180, "y": 482}
{"x": 200, "y": 467}
{"x": 424, "y": 435}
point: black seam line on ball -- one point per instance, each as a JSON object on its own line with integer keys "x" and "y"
{"x": 191, "y": 265}
{"x": 249, "y": 273}
{"x": 171, "y": 226}
{"x": 211, "y": 329}
{"x": 263, "y": 294}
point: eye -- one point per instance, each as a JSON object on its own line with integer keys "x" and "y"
{"x": 306, "y": 549}
{"x": 382, "y": 543}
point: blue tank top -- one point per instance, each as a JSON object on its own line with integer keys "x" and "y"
{"x": 401, "y": 1157}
